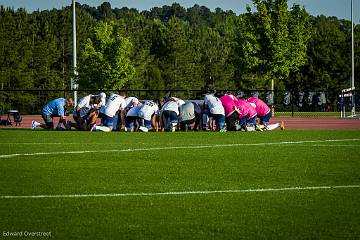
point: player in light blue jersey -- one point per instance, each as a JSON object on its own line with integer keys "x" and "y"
{"x": 54, "y": 108}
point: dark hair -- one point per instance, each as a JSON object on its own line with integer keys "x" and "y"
{"x": 96, "y": 99}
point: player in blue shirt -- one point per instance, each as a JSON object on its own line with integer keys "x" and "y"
{"x": 54, "y": 108}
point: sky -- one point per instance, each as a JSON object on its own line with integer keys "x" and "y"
{"x": 339, "y": 8}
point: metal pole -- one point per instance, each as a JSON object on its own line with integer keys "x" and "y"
{"x": 74, "y": 78}
{"x": 352, "y": 61}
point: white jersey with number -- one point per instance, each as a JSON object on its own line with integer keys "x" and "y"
{"x": 113, "y": 104}
{"x": 147, "y": 110}
{"x": 214, "y": 104}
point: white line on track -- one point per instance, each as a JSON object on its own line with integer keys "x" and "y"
{"x": 181, "y": 193}
{"x": 178, "y": 147}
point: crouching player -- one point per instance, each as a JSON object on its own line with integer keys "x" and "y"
{"x": 190, "y": 113}
{"x": 86, "y": 112}
{"x": 264, "y": 113}
{"x": 115, "y": 105}
{"x": 148, "y": 116}
{"x": 54, "y": 108}
{"x": 231, "y": 113}
{"x": 214, "y": 110}
{"x": 132, "y": 121}
{"x": 170, "y": 112}
{"x": 247, "y": 115}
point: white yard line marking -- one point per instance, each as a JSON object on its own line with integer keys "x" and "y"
{"x": 56, "y": 143}
{"x": 335, "y": 145}
{"x": 178, "y": 147}
{"x": 181, "y": 193}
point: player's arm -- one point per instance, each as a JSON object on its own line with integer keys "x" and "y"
{"x": 122, "y": 117}
{"x": 77, "y": 109}
{"x": 61, "y": 114}
{"x": 154, "y": 122}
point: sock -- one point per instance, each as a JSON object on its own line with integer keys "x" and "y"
{"x": 273, "y": 126}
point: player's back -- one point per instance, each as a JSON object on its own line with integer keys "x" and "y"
{"x": 148, "y": 109}
{"x": 214, "y": 104}
{"x": 113, "y": 104}
{"x": 261, "y": 108}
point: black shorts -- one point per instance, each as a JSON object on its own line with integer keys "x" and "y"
{"x": 48, "y": 119}
{"x": 231, "y": 121}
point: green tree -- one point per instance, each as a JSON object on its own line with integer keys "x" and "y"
{"x": 283, "y": 36}
{"x": 105, "y": 58}
{"x": 329, "y": 55}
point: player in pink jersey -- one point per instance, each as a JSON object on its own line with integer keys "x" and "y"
{"x": 231, "y": 113}
{"x": 247, "y": 114}
{"x": 264, "y": 113}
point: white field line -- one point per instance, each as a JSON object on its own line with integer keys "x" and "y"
{"x": 178, "y": 147}
{"x": 180, "y": 193}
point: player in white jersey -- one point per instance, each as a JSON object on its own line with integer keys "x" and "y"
{"x": 148, "y": 113}
{"x": 86, "y": 111}
{"x": 170, "y": 111}
{"x": 114, "y": 106}
{"x": 131, "y": 119}
{"x": 215, "y": 110}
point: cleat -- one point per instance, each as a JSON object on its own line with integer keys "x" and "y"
{"x": 282, "y": 125}
{"x": 143, "y": 129}
{"x": 257, "y": 128}
{"x": 223, "y": 130}
{"x": 93, "y": 128}
{"x": 33, "y": 124}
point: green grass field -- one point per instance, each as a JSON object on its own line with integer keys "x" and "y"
{"x": 202, "y": 185}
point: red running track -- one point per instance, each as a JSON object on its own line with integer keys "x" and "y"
{"x": 290, "y": 122}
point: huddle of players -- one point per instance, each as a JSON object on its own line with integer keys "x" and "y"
{"x": 225, "y": 113}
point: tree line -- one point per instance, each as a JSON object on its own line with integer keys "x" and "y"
{"x": 172, "y": 47}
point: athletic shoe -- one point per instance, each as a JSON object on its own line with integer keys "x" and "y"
{"x": 173, "y": 129}
{"x": 33, "y": 126}
{"x": 92, "y": 128}
{"x": 223, "y": 130}
{"x": 257, "y": 128}
{"x": 143, "y": 129}
{"x": 282, "y": 125}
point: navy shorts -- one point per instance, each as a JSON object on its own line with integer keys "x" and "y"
{"x": 107, "y": 121}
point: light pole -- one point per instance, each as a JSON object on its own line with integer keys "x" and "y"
{"x": 74, "y": 77}
{"x": 352, "y": 62}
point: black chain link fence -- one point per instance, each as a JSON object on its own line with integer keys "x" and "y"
{"x": 285, "y": 103}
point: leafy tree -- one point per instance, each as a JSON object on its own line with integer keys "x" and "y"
{"x": 283, "y": 38}
{"x": 329, "y": 56}
{"x": 105, "y": 58}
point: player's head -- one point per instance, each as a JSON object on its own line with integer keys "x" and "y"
{"x": 95, "y": 99}
{"x": 240, "y": 94}
{"x": 255, "y": 94}
{"x": 69, "y": 102}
